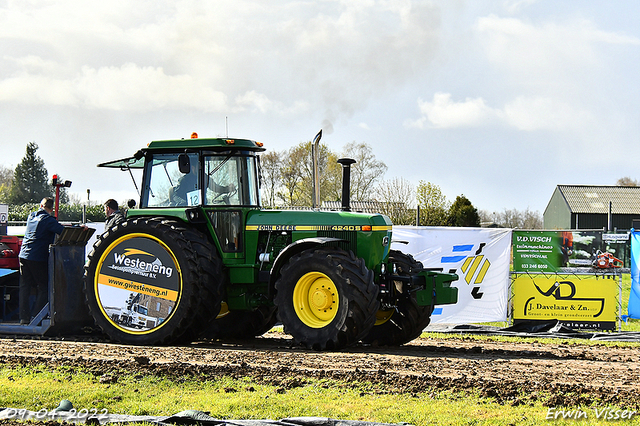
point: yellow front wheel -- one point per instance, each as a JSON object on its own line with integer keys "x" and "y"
{"x": 315, "y": 299}
{"x": 407, "y": 319}
{"x": 383, "y": 315}
{"x": 326, "y": 298}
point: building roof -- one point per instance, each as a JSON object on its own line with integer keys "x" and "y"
{"x": 595, "y": 199}
{"x": 356, "y": 206}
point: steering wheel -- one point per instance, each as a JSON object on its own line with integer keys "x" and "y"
{"x": 224, "y": 197}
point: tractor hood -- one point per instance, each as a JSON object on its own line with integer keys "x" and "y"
{"x": 312, "y": 220}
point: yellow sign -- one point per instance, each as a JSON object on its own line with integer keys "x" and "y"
{"x": 565, "y": 298}
{"x": 138, "y": 287}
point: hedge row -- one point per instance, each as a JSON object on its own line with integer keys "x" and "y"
{"x": 66, "y": 212}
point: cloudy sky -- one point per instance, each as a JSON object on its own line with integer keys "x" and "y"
{"x": 499, "y": 100}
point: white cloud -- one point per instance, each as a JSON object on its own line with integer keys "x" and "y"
{"x": 37, "y": 90}
{"x": 523, "y": 113}
{"x": 126, "y": 88}
{"x": 131, "y": 87}
{"x": 261, "y": 103}
{"x": 545, "y": 113}
{"x": 547, "y": 53}
{"x": 277, "y": 58}
{"x": 443, "y": 112}
{"x": 514, "y": 6}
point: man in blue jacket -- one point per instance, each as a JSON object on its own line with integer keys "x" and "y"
{"x": 34, "y": 255}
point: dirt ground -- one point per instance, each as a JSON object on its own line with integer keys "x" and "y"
{"x": 555, "y": 374}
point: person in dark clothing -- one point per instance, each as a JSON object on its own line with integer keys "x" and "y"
{"x": 114, "y": 215}
{"x": 186, "y": 184}
{"x": 34, "y": 255}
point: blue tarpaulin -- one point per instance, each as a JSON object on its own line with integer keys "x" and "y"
{"x": 634, "y": 297}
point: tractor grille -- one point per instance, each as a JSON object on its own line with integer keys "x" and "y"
{"x": 350, "y": 237}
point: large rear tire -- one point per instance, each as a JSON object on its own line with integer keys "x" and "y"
{"x": 326, "y": 298}
{"x": 151, "y": 281}
{"x": 401, "y": 325}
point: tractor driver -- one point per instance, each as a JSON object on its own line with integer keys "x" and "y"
{"x": 187, "y": 183}
{"x": 180, "y": 195}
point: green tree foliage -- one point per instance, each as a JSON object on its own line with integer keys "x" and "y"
{"x": 434, "y": 208}
{"x": 462, "y": 213}
{"x": 288, "y": 176}
{"x": 64, "y": 195}
{"x": 296, "y": 175}
{"x": 6, "y": 178}
{"x": 66, "y": 212}
{"x": 30, "y": 183}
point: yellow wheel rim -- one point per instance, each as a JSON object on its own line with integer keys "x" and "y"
{"x": 224, "y": 310}
{"x": 315, "y": 299}
{"x": 383, "y": 316}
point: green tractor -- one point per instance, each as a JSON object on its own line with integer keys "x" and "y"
{"x": 200, "y": 259}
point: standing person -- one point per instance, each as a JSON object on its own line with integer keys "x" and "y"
{"x": 114, "y": 215}
{"x": 41, "y": 230}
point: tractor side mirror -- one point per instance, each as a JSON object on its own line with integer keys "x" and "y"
{"x": 184, "y": 164}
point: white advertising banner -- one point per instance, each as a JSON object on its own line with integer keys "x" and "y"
{"x": 480, "y": 257}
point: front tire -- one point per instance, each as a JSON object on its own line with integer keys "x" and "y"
{"x": 159, "y": 270}
{"x": 326, "y": 298}
{"x": 401, "y": 325}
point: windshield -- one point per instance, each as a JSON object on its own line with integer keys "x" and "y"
{"x": 230, "y": 180}
{"x": 166, "y": 186}
{"x": 141, "y": 309}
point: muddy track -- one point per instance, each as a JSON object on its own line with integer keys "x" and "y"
{"x": 556, "y": 374}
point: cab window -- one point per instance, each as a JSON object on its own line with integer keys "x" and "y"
{"x": 166, "y": 186}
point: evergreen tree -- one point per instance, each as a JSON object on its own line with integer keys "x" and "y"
{"x": 30, "y": 183}
{"x": 462, "y": 213}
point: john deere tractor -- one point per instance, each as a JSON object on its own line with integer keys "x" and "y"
{"x": 200, "y": 259}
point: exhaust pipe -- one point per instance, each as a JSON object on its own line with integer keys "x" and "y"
{"x": 315, "y": 148}
{"x": 346, "y": 182}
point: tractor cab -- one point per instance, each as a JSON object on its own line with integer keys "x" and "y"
{"x": 196, "y": 172}
{"x": 194, "y": 179}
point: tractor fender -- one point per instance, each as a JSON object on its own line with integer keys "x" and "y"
{"x": 293, "y": 249}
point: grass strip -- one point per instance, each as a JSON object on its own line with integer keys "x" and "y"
{"x": 42, "y": 387}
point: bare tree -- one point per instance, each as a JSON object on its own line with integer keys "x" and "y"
{"x": 532, "y": 219}
{"x": 513, "y": 218}
{"x": 627, "y": 181}
{"x": 271, "y": 176}
{"x": 366, "y": 172}
{"x": 397, "y": 197}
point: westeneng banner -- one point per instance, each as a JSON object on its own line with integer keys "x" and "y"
{"x": 576, "y": 301}
{"x": 480, "y": 257}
